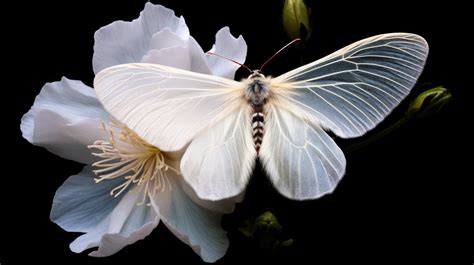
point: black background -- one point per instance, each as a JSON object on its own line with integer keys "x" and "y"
{"x": 406, "y": 198}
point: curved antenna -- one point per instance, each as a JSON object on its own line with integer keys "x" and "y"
{"x": 241, "y": 64}
{"x": 275, "y": 54}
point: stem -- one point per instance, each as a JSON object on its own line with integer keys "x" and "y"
{"x": 356, "y": 146}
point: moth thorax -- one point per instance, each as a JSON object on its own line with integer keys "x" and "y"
{"x": 256, "y": 92}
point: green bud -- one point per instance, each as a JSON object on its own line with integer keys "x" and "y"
{"x": 287, "y": 243}
{"x": 267, "y": 221}
{"x": 265, "y": 232}
{"x": 429, "y": 102}
{"x": 296, "y": 19}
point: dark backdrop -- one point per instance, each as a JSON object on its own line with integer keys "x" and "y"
{"x": 406, "y": 198}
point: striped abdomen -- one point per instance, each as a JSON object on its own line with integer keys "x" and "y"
{"x": 258, "y": 122}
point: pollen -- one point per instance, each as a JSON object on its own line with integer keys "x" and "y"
{"x": 125, "y": 155}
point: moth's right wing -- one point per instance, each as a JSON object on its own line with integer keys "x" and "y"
{"x": 166, "y": 106}
{"x": 353, "y": 89}
{"x": 301, "y": 159}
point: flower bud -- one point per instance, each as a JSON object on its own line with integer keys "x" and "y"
{"x": 429, "y": 102}
{"x": 266, "y": 232}
{"x": 296, "y": 21}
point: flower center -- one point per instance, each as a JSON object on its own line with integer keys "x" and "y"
{"x": 125, "y": 155}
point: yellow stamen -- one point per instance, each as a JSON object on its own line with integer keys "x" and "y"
{"x": 125, "y": 155}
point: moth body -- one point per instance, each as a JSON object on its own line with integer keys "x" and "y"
{"x": 256, "y": 93}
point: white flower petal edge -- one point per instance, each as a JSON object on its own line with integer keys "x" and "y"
{"x": 81, "y": 205}
{"x": 174, "y": 51}
{"x": 64, "y": 119}
{"x": 192, "y": 224}
{"x": 127, "y": 42}
{"x": 230, "y": 47}
{"x": 76, "y": 205}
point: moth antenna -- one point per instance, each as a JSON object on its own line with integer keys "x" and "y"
{"x": 275, "y": 54}
{"x": 234, "y": 61}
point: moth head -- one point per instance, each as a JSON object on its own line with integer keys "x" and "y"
{"x": 255, "y": 74}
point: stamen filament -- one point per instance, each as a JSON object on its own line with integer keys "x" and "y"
{"x": 125, "y": 155}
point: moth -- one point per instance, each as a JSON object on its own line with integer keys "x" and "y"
{"x": 225, "y": 125}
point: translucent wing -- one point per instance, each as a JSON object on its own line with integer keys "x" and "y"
{"x": 166, "y": 106}
{"x": 353, "y": 89}
{"x": 219, "y": 161}
{"x": 302, "y": 161}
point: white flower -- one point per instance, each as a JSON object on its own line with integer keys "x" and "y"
{"x": 134, "y": 185}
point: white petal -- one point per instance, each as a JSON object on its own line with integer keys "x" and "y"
{"x": 230, "y": 47}
{"x": 65, "y": 118}
{"x": 127, "y": 224}
{"x": 110, "y": 223}
{"x": 192, "y": 224}
{"x": 127, "y": 42}
{"x": 166, "y": 38}
{"x": 199, "y": 62}
{"x": 109, "y": 244}
{"x": 167, "y": 48}
{"x": 175, "y": 57}
{"x": 80, "y": 203}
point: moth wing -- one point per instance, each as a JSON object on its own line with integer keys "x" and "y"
{"x": 165, "y": 106}
{"x": 353, "y": 89}
{"x": 219, "y": 161}
{"x": 301, "y": 159}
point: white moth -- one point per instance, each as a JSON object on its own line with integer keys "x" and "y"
{"x": 226, "y": 125}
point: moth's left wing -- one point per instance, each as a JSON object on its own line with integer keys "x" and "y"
{"x": 300, "y": 158}
{"x": 166, "y": 106}
{"x": 353, "y": 89}
{"x": 218, "y": 162}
